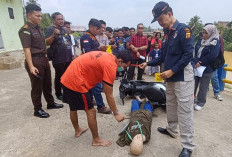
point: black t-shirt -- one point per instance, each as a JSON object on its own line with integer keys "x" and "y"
{"x": 61, "y": 46}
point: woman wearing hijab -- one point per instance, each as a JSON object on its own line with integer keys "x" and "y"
{"x": 206, "y": 51}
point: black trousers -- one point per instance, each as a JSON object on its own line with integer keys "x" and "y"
{"x": 131, "y": 70}
{"x": 59, "y": 71}
{"x": 40, "y": 84}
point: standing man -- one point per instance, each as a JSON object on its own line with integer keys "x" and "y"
{"x": 177, "y": 53}
{"x": 60, "y": 47}
{"x": 67, "y": 25}
{"x": 81, "y": 76}
{"x": 138, "y": 44}
{"x": 36, "y": 62}
{"x": 101, "y": 37}
{"x": 89, "y": 43}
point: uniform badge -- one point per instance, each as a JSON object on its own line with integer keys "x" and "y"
{"x": 85, "y": 41}
{"x": 175, "y": 34}
{"x": 26, "y": 32}
{"x": 188, "y": 33}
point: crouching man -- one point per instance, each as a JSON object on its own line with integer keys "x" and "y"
{"x": 82, "y": 75}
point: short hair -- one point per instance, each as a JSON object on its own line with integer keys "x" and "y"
{"x": 149, "y": 36}
{"x": 139, "y": 24}
{"x": 109, "y": 29}
{"x": 102, "y": 22}
{"x": 32, "y": 7}
{"x": 115, "y": 30}
{"x": 120, "y": 30}
{"x": 67, "y": 23}
{"x": 55, "y": 14}
{"x": 157, "y": 34}
{"x": 125, "y": 55}
{"x": 125, "y": 28}
{"x": 132, "y": 28}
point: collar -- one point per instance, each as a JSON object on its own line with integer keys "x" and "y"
{"x": 32, "y": 25}
{"x": 166, "y": 30}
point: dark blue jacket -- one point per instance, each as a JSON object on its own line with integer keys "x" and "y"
{"x": 88, "y": 43}
{"x": 177, "y": 51}
{"x": 208, "y": 55}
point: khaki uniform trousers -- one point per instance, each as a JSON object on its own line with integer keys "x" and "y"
{"x": 179, "y": 107}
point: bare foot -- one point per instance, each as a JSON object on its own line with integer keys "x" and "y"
{"x": 101, "y": 142}
{"x": 80, "y": 131}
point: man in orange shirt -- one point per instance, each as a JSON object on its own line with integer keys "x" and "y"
{"x": 82, "y": 75}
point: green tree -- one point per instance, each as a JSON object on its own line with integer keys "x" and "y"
{"x": 32, "y": 2}
{"x": 196, "y": 25}
{"x": 46, "y": 21}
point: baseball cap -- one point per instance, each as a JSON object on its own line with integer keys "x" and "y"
{"x": 95, "y": 22}
{"x": 158, "y": 10}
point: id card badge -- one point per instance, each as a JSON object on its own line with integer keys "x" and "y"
{"x": 158, "y": 77}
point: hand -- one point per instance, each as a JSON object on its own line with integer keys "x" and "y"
{"x": 138, "y": 54}
{"x": 143, "y": 65}
{"x": 198, "y": 64}
{"x": 56, "y": 32}
{"x": 119, "y": 117}
{"x": 166, "y": 74}
{"x": 102, "y": 48}
{"x": 34, "y": 71}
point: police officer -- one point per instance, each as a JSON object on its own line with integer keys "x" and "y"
{"x": 36, "y": 63}
{"x": 89, "y": 43}
{"x": 177, "y": 53}
{"x": 60, "y": 47}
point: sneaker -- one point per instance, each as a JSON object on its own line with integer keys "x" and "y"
{"x": 197, "y": 108}
{"x": 218, "y": 97}
{"x": 104, "y": 110}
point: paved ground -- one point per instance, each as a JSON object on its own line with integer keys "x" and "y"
{"x": 23, "y": 135}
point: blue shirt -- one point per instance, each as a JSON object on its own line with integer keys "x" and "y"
{"x": 177, "y": 51}
{"x": 155, "y": 54}
{"x": 88, "y": 43}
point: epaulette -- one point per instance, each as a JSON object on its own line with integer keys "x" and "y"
{"x": 25, "y": 26}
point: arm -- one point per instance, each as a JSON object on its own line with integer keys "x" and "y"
{"x": 33, "y": 69}
{"x": 50, "y": 35}
{"x": 110, "y": 100}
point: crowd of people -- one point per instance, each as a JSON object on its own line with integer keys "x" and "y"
{"x": 106, "y": 54}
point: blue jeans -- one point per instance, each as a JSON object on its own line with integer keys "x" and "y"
{"x": 96, "y": 91}
{"x": 215, "y": 83}
{"x": 135, "y": 105}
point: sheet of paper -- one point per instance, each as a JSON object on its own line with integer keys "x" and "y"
{"x": 199, "y": 71}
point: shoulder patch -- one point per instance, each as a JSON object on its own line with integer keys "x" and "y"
{"x": 26, "y": 32}
{"x": 188, "y": 33}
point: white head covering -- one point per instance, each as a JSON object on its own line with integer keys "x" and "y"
{"x": 212, "y": 40}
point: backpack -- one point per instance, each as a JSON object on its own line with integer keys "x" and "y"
{"x": 219, "y": 61}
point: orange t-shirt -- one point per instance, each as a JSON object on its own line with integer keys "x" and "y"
{"x": 89, "y": 69}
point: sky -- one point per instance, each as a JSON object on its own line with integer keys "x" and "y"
{"x": 131, "y": 12}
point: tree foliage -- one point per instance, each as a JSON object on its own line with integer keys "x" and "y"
{"x": 32, "y": 2}
{"x": 46, "y": 21}
{"x": 196, "y": 25}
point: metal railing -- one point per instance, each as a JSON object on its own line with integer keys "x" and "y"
{"x": 225, "y": 80}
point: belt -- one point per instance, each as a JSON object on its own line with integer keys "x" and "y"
{"x": 39, "y": 55}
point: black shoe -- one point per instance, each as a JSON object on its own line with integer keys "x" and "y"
{"x": 165, "y": 132}
{"x": 55, "y": 106}
{"x": 185, "y": 153}
{"x": 41, "y": 114}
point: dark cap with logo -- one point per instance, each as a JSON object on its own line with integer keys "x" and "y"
{"x": 95, "y": 22}
{"x": 158, "y": 10}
